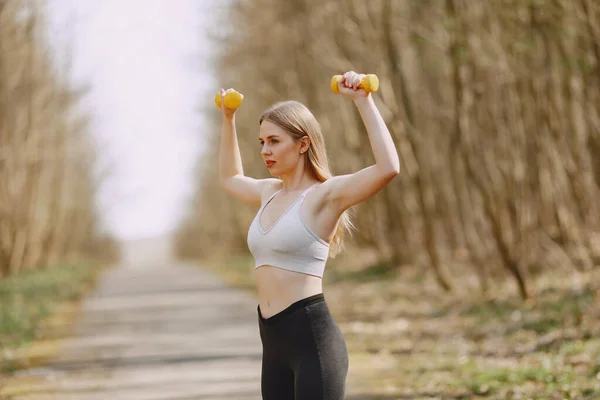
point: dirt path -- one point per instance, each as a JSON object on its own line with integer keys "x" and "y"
{"x": 170, "y": 331}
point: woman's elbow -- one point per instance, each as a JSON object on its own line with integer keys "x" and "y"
{"x": 392, "y": 171}
{"x": 225, "y": 183}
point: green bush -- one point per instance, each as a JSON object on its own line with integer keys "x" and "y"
{"x": 28, "y": 298}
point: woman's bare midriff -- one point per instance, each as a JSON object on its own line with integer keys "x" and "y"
{"x": 279, "y": 288}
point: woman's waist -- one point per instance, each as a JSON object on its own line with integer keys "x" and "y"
{"x": 278, "y": 288}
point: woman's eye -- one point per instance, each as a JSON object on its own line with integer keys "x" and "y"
{"x": 275, "y": 141}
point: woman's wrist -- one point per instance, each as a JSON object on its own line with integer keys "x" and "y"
{"x": 362, "y": 101}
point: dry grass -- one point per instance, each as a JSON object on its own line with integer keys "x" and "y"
{"x": 412, "y": 340}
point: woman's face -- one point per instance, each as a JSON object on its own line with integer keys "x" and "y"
{"x": 279, "y": 150}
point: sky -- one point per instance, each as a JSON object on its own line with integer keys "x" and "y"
{"x": 148, "y": 64}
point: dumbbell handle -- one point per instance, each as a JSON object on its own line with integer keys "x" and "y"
{"x": 369, "y": 83}
{"x": 231, "y": 99}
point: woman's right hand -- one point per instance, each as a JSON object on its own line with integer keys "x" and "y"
{"x": 227, "y": 112}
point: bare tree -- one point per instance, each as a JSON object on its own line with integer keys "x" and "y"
{"x": 48, "y": 207}
{"x": 494, "y": 108}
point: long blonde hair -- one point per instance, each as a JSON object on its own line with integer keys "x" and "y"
{"x": 296, "y": 119}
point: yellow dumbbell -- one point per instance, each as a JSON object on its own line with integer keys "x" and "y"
{"x": 231, "y": 99}
{"x": 369, "y": 82}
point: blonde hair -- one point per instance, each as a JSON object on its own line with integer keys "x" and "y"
{"x": 297, "y": 120}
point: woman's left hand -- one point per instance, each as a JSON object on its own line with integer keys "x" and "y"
{"x": 349, "y": 85}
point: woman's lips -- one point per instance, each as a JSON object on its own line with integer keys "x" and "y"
{"x": 270, "y": 163}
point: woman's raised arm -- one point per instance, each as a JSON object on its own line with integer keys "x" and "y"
{"x": 231, "y": 171}
{"x": 345, "y": 191}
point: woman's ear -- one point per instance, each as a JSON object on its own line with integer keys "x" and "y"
{"x": 304, "y": 144}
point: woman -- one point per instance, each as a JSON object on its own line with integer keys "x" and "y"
{"x": 301, "y": 221}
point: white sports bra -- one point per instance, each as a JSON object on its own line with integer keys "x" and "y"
{"x": 289, "y": 243}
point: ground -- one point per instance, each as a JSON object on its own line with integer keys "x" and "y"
{"x": 168, "y": 330}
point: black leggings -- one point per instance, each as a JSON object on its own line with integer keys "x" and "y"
{"x": 304, "y": 353}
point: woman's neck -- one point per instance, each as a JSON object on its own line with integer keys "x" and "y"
{"x": 291, "y": 185}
